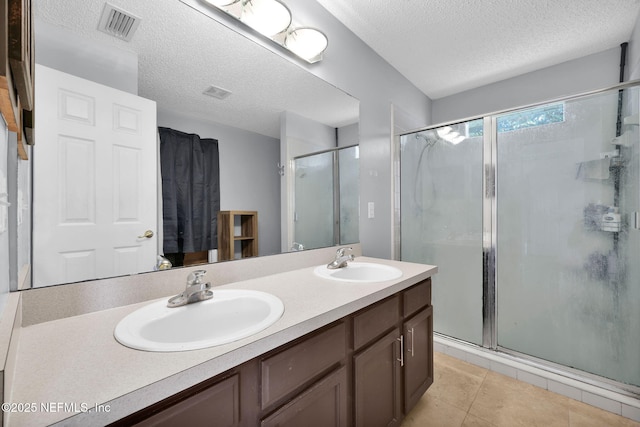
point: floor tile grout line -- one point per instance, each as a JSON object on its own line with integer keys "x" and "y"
{"x": 484, "y": 378}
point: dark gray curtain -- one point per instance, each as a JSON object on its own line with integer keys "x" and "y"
{"x": 190, "y": 171}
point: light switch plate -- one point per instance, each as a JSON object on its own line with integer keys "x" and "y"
{"x": 371, "y": 210}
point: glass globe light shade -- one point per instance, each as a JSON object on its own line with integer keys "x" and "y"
{"x": 307, "y": 43}
{"x": 268, "y": 17}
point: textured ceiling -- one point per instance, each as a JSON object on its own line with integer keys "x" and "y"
{"x": 182, "y": 52}
{"x": 442, "y": 46}
{"x": 448, "y": 46}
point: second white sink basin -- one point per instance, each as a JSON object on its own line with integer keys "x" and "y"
{"x": 231, "y": 314}
{"x": 363, "y": 272}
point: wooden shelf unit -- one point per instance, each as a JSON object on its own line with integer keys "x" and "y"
{"x": 227, "y": 237}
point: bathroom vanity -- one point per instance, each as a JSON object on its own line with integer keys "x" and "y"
{"x": 341, "y": 354}
{"x": 371, "y": 367}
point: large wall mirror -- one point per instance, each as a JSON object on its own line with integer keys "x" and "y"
{"x": 276, "y": 111}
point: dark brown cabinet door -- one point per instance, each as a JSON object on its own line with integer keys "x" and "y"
{"x": 322, "y": 405}
{"x": 418, "y": 356}
{"x": 377, "y": 383}
{"x": 218, "y": 405}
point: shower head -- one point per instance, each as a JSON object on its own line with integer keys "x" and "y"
{"x": 430, "y": 142}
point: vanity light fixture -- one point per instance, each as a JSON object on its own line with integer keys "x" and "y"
{"x": 272, "y": 19}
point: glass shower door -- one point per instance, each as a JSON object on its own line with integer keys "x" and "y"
{"x": 568, "y": 285}
{"x": 326, "y": 198}
{"x": 441, "y": 221}
{"x": 314, "y": 201}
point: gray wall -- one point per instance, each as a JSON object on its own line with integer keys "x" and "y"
{"x": 249, "y": 178}
{"x": 349, "y": 135}
{"x": 591, "y": 72}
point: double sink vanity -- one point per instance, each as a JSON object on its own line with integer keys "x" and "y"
{"x": 312, "y": 346}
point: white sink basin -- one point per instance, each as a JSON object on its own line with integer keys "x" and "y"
{"x": 363, "y": 272}
{"x": 230, "y": 315}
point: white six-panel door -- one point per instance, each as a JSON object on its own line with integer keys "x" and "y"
{"x": 95, "y": 170}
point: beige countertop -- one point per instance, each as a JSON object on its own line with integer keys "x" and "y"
{"x": 73, "y": 372}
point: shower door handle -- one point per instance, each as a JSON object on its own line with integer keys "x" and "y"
{"x": 490, "y": 181}
{"x": 636, "y": 220}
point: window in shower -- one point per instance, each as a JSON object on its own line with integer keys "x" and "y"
{"x": 538, "y": 116}
{"x": 531, "y": 117}
{"x": 441, "y": 220}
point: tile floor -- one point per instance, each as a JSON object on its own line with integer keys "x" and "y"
{"x": 466, "y": 395}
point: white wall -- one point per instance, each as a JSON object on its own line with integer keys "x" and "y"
{"x": 591, "y": 72}
{"x": 249, "y": 178}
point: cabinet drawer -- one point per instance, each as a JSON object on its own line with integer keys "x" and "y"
{"x": 374, "y": 321}
{"x": 323, "y": 404}
{"x": 417, "y": 297}
{"x": 294, "y": 367}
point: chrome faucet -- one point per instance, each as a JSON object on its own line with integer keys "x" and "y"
{"x": 341, "y": 259}
{"x": 195, "y": 291}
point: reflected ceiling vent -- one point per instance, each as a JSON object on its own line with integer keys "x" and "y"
{"x": 216, "y": 92}
{"x": 118, "y": 23}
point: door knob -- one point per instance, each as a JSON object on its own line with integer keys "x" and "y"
{"x": 148, "y": 234}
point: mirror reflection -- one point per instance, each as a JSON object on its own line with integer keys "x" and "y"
{"x": 326, "y": 198}
{"x": 177, "y": 57}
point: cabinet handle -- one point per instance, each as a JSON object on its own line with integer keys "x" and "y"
{"x": 411, "y": 348}
{"x": 401, "y": 360}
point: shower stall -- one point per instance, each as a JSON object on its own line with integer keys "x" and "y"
{"x": 532, "y": 218}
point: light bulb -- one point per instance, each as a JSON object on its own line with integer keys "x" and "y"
{"x": 268, "y": 17}
{"x": 307, "y": 43}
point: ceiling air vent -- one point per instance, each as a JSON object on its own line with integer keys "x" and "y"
{"x": 118, "y": 23}
{"x": 216, "y": 92}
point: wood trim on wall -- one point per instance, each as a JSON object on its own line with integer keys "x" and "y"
{"x": 16, "y": 70}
